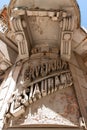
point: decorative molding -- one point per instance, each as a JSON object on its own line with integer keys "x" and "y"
{"x": 67, "y": 26}
{"x": 65, "y": 19}
{"x": 16, "y": 25}
{"x": 40, "y": 81}
{"x": 46, "y": 71}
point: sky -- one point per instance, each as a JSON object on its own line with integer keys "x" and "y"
{"x": 83, "y": 10}
{"x": 82, "y": 5}
{"x": 4, "y": 2}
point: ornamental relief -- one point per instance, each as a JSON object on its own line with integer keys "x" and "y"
{"x": 44, "y": 68}
{"x": 40, "y": 80}
{"x": 45, "y": 73}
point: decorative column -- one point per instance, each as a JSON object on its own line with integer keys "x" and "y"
{"x": 67, "y": 25}
{"x": 16, "y": 25}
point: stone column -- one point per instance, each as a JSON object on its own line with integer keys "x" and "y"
{"x": 17, "y": 28}
{"x": 67, "y": 26}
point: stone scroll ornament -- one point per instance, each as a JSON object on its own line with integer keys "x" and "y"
{"x": 52, "y": 76}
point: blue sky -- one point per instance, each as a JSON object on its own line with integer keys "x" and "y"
{"x": 83, "y": 10}
{"x": 82, "y": 5}
{"x": 4, "y": 2}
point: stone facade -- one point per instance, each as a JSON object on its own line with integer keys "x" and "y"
{"x": 43, "y": 72}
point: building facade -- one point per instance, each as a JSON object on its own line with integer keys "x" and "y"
{"x": 43, "y": 66}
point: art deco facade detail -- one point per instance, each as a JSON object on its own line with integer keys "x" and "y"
{"x": 43, "y": 71}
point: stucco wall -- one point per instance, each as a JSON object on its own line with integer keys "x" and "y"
{"x": 59, "y": 108}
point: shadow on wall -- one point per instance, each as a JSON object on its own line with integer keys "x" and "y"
{"x": 12, "y": 55}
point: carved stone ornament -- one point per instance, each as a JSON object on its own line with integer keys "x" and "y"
{"x": 46, "y": 71}
{"x": 67, "y": 26}
{"x": 16, "y": 25}
{"x": 40, "y": 79}
{"x": 43, "y": 77}
{"x": 64, "y": 18}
